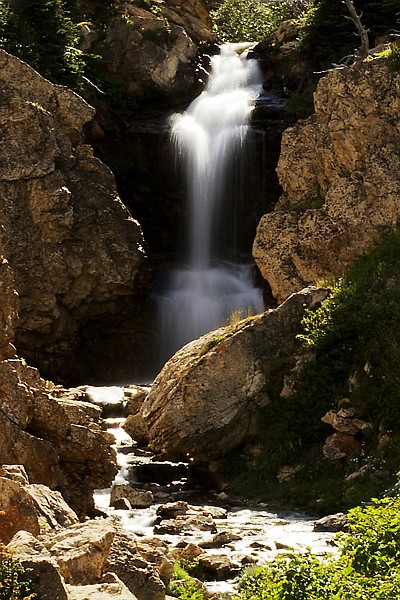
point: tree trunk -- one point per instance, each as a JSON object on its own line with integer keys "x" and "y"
{"x": 362, "y": 32}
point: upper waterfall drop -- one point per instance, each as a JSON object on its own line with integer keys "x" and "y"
{"x": 210, "y": 140}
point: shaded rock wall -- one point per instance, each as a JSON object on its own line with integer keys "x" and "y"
{"x": 339, "y": 171}
{"x": 58, "y": 440}
{"x": 76, "y": 253}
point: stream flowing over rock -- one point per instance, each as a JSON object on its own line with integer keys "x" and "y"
{"x": 75, "y": 251}
{"x": 206, "y": 400}
{"x": 339, "y": 170}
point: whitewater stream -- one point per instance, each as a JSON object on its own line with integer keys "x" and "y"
{"x": 255, "y": 533}
{"x": 197, "y": 295}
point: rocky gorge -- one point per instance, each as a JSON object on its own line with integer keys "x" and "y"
{"x": 76, "y": 275}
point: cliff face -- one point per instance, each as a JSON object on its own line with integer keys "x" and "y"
{"x": 76, "y": 253}
{"x": 58, "y": 440}
{"x": 339, "y": 170}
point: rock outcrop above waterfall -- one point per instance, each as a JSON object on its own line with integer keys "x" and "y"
{"x": 152, "y": 52}
{"x": 75, "y": 251}
{"x": 339, "y": 171}
{"x": 207, "y": 399}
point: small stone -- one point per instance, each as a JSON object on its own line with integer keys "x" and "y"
{"x": 136, "y": 498}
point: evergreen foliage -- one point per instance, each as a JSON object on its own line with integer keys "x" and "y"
{"x": 44, "y": 35}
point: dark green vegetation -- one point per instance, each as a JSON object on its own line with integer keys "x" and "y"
{"x": 15, "y": 583}
{"x": 367, "y": 567}
{"x": 45, "y": 35}
{"x": 328, "y": 35}
{"x": 355, "y": 343}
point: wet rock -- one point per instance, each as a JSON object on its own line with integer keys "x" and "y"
{"x": 222, "y": 538}
{"x": 187, "y": 552}
{"x": 136, "y": 428}
{"x": 207, "y": 399}
{"x": 121, "y": 504}
{"x": 162, "y": 473}
{"x": 283, "y": 546}
{"x": 136, "y": 498}
{"x": 186, "y": 523}
{"x": 135, "y": 397}
{"x": 109, "y": 399}
{"x": 333, "y": 523}
{"x": 172, "y": 509}
{"x": 216, "y": 567}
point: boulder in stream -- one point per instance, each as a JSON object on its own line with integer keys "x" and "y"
{"x": 207, "y": 399}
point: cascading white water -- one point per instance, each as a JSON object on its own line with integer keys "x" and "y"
{"x": 201, "y": 294}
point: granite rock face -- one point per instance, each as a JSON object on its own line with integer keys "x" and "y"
{"x": 339, "y": 170}
{"x": 207, "y": 399}
{"x": 75, "y": 251}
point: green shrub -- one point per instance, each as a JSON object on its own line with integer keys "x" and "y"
{"x": 357, "y": 332}
{"x": 183, "y": 586}
{"x": 250, "y": 20}
{"x": 367, "y": 567}
{"x": 15, "y": 583}
{"x": 45, "y": 36}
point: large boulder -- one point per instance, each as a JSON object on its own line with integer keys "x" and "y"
{"x": 43, "y": 569}
{"x": 76, "y": 253}
{"x": 339, "y": 170}
{"x": 207, "y": 399}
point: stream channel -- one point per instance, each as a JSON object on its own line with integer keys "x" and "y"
{"x": 242, "y": 533}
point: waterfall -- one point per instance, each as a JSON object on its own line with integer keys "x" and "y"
{"x": 200, "y": 294}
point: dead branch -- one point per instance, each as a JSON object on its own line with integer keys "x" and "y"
{"x": 361, "y": 31}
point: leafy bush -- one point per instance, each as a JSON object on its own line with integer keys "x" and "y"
{"x": 14, "y": 579}
{"x": 250, "y": 20}
{"x": 183, "y": 586}
{"x": 368, "y": 565}
{"x": 357, "y": 331}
